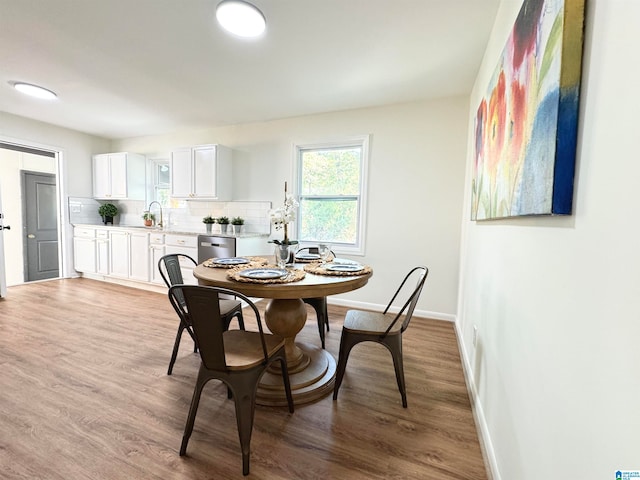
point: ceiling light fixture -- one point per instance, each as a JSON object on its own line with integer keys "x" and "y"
{"x": 240, "y": 18}
{"x": 34, "y": 90}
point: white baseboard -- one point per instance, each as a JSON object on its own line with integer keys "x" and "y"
{"x": 486, "y": 445}
{"x": 377, "y": 307}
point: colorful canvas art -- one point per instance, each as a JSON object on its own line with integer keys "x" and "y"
{"x": 526, "y": 125}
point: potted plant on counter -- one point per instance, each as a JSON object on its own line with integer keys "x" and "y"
{"x": 208, "y": 222}
{"x": 148, "y": 219}
{"x": 223, "y": 222}
{"x": 107, "y": 211}
{"x": 237, "y": 223}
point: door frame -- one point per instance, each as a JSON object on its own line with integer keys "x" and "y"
{"x": 58, "y": 155}
{"x": 3, "y": 280}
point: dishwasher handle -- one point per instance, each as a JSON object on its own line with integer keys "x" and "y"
{"x": 210, "y": 244}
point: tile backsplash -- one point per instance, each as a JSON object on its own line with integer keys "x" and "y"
{"x": 182, "y": 214}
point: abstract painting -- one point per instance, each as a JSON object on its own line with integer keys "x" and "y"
{"x": 526, "y": 124}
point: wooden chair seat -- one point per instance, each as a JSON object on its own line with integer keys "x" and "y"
{"x": 359, "y": 321}
{"x": 243, "y": 350}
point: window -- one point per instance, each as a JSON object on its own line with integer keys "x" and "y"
{"x": 331, "y": 184}
{"x": 161, "y": 182}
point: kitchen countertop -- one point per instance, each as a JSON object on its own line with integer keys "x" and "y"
{"x": 173, "y": 230}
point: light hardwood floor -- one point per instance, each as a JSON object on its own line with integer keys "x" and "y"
{"x": 84, "y": 395}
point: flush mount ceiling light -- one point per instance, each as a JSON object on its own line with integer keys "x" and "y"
{"x": 34, "y": 90}
{"x": 240, "y": 18}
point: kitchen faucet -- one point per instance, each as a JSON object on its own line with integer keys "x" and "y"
{"x": 149, "y": 208}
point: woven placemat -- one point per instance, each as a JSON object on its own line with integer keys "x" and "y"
{"x": 253, "y": 262}
{"x": 318, "y": 269}
{"x": 294, "y": 275}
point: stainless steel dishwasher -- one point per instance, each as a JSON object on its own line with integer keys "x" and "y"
{"x": 210, "y": 246}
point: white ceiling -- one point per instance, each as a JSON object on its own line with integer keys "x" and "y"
{"x": 126, "y": 68}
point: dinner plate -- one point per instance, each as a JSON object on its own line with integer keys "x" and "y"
{"x": 344, "y": 268}
{"x": 308, "y": 256}
{"x": 263, "y": 273}
{"x": 230, "y": 261}
{"x": 344, "y": 261}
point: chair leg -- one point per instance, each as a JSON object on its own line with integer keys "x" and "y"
{"x": 244, "y": 395}
{"x": 195, "y": 400}
{"x": 319, "y": 304}
{"x": 347, "y": 342}
{"x": 394, "y": 344}
{"x": 176, "y": 345}
{"x": 326, "y": 313}
{"x": 285, "y": 379}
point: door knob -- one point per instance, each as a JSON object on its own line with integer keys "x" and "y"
{"x": 8, "y": 227}
{"x": 31, "y": 235}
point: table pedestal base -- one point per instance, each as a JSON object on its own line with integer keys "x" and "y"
{"x": 314, "y": 382}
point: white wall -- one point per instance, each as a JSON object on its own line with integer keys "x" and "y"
{"x": 556, "y": 369}
{"x": 416, "y": 175}
{"x": 76, "y": 150}
{"x": 12, "y": 163}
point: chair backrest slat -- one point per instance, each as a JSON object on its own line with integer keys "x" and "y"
{"x": 204, "y": 312}
{"x": 169, "y": 267}
{"x": 410, "y": 304}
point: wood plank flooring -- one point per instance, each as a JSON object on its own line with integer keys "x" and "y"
{"x": 84, "y": 395}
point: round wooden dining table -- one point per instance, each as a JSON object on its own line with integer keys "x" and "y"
{"x": 311, "y": 369}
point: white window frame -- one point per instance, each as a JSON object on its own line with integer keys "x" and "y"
{"x": 361, "y": 141}
{"x": 155, "y": 184}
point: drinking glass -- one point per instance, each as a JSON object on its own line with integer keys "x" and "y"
{"x": 282, "y": 255}
{"x": 324, "y": 249}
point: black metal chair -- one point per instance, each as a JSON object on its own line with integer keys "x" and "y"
{"x": 236, "y": 357}
{"x": 169, "y": 266}
{"x": 319, "y": 304}
{"x": 384, "y": 328}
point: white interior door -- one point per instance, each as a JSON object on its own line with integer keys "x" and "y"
{"x": 3, "y": 278}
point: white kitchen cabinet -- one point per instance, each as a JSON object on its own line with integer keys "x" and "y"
{"x": 129, "y": 254}
{"x": 119, "y": 253}
{"x": 139, "y": 259}
{"x": 84, "y": 249}
{"x": 156, "y": 252}
{"x": 201, "y": 172}
{"x": 119, "y": 176}
{"x": 102, "y": 251}
{"x": 186, "y": 245}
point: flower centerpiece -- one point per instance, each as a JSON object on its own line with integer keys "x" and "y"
{"x": 280, "y": 219}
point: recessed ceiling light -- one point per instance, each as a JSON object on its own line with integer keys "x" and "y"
{"x": 35, "y": 91}
{"x": 240, "y": 18}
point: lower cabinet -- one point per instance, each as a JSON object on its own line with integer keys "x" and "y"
{"x": 84, "y": 249}
{"x": 133, "y": 254}
{"x": 156, "y": 252}
{"x": 129, "y": 254}
{"x": 186, "y": 245}
{"x": 102, "y": 252}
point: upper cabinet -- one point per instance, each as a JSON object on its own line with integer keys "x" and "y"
{"x": 201, "y": 172}
{"x": 119, "y": 176}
